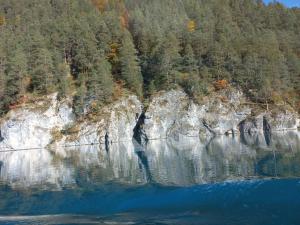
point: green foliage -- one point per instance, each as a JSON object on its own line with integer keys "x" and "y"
{"x": 64, "y": 82}
{"x": 100, "y": 81}
{"x": 16, "y": 70}
{"x": 79, "y": 98}
{"x": 165, "y": 62}
{"x": 130, "y": 69}
{"x": 81, "y": 47}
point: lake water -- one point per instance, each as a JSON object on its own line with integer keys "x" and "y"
{"x": 224, "y": 180}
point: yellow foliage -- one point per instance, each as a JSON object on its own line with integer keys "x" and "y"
{"x": 94, "y": 104}
{"x": 113, "y": 51}
{"x": 191, "y": 26}
{"x": 2, "y": 20}
{"x": 114, "y": 47}
{"x": 276, "y": 97}
{"x": 185, "y": 76}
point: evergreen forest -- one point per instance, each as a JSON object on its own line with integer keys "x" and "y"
{"x": 97, "y": 50}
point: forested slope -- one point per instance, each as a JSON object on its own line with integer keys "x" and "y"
{"x": 96, "y": 49}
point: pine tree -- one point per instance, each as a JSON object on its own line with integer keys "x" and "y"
{"x": 64, "y": 80}
{"x": 100, "y": 82}
{"x": 42, "y": 71}
{"x": 2, "y": 91}
{"x": 166, "y": 62}
{"x": 79, "y": 99}
{"x": 3, "y": 62}
{"x": 130, "y": 68}
{"x": 16, "y": 71}
{"x": 189, "y": 63}
{"x": 40, "y": 64}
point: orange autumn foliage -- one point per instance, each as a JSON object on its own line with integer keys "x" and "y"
{"x": 124, "y": 19}
{"x": 221, "y": 84}
{"x": 20, "y": 101}
{"x": 118, "y": 89}
{"x": 100, "y": 4}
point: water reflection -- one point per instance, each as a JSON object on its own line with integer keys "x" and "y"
{"x": 168, "y": 162}
{"x": 34, "y": 168}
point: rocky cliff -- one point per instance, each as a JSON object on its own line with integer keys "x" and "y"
{"x": 31, "y": 126}
{"x": 173, "y": 114}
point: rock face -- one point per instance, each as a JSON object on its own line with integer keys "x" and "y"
{"x": 284, "y": 121}
{"x": 32, "y": 126}
{"x": 270, "y": 122}
{"x": 115, "y": 123}
{"x": 163, "y": 113}
{"x": 170, "y": 114}
{"x": 174, "y": 114}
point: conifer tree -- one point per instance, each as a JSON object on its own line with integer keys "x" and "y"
{"x": 64, "y": 80}
{"x": 100, "y": 82}
{"x": 189, "y": 63}
{"x": 130, "y": 68}
{"x": 79, "y": 99}
{"x": 15, "y": 73}
{"x": 42, "y": 71}
{"x": 166, "y": 62}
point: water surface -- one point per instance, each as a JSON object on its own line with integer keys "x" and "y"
{"x": 224, "y": 180}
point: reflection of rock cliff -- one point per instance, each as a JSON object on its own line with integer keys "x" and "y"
{"x": 119, "y": 164}
{"x": 166, "y": 162}
{"x": 23, "y": 169}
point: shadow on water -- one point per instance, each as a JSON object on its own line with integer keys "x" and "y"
{"x": 144, "y": 164}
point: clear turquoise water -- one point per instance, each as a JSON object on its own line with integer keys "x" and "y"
{"x": 240, "y": 180}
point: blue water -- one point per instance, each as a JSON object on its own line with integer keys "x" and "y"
{"x": 224, "y": 181}
{"x": 247, "y": 202}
